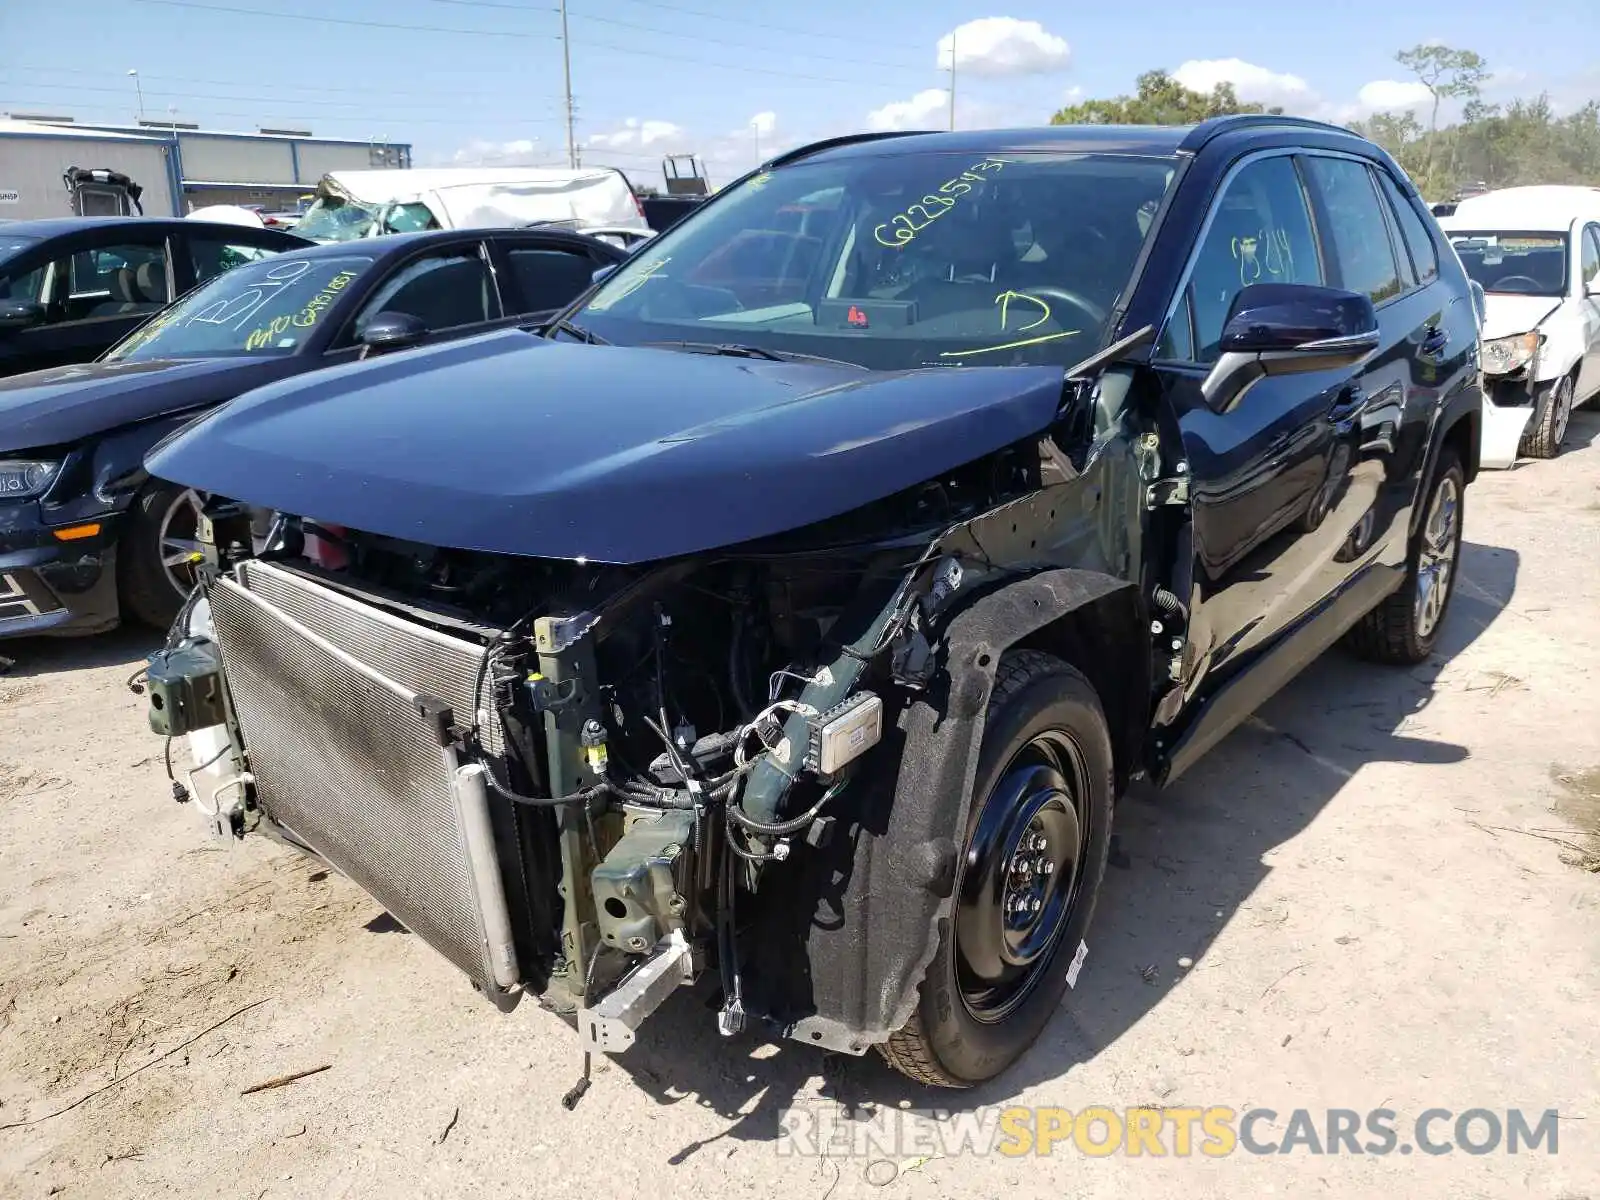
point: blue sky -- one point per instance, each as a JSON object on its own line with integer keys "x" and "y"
{"x": 721, "y": 78}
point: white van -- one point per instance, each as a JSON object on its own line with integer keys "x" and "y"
{"x": 357, "y": 204}
{"x": 1536, "y": 252}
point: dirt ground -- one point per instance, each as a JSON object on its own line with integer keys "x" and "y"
{"x": 1383, "y": 887}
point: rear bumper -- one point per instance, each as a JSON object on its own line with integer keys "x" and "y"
{"x": 54, "y": 588}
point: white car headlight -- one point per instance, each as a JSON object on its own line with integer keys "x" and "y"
{"x": 1501, "y": 356}
{"x": 23, "y": 479}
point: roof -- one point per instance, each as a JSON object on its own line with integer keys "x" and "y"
{"x": 11, "y": 128}
{"x": 48, "y": 227}
{"x": 1540, "y": 207}
{"x": 1152, "y": 140}
{"x": 387, "y": 185}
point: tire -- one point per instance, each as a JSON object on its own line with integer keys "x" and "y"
{"x": 148, "y": 589}
{"x": 1403, "y": 629}
{"x": 962, "y": 1033}
{"x": 1551, "y": 414}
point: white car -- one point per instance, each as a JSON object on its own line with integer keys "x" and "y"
{"x": 1536, "y": 252}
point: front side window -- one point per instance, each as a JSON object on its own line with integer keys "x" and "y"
{"x": 1591, "y": 257}
{"x": 1260, "y": 232}
{"x": 269, "y": 307}
{"x": 1357, "y": 236}
{"x": 1517, "y": 263}
{"x": 408, "y": 218}
{"x": 442, "y": 291}
{"x": 892, "y": 260}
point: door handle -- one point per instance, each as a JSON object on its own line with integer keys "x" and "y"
{"x": 1352, "y": 402}
{"x": 1435, "y": 341}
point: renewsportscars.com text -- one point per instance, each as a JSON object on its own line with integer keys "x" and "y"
{"x": 1211, "y": 1132}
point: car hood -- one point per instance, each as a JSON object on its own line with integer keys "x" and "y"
{"x": 63, "y": 405}
{"x": 1506, "y": 315}
{"x": 512, "y": 444}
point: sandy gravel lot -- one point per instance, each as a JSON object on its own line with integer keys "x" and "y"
{"x": 1384, "y": 886}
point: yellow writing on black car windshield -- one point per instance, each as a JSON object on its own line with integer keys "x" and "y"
{"x": 1004, "y": 301}
{"x": 1268, "y": 253}
{"x": 904, "y": 226}
{"x": 646, "y": 274}
{"x": 262, "y": 335}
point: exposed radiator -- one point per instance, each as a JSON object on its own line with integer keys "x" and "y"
{"x": 327, "y": 693}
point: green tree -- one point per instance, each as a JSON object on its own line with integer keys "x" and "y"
{"x": 1447, "y": 74}
{"x": 1160, "y": 100}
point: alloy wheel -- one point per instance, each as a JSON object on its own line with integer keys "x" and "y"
{"x": 1561, "y": 397}
{"x": 1437, "y": 560}
{"x": 179, "y": 540}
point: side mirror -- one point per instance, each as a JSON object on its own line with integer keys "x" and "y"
{"x": 1286, "y": 329}
{"x": 602, "y": 272}
{"x": 19, "y": 314}
{"x": 391, "y": 331}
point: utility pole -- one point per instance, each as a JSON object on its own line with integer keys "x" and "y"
{"x": 566, "y": 66}
{"x": 952, "y": 80}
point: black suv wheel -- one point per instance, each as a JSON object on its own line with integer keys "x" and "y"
{"x": 1034, "y": 856}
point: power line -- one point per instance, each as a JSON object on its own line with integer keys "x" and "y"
{"x": 699, "y": 37}
{"x": 316, "y": 89}
{"x": 283, "y": 16}
{"x": 657, "y": 54}
{"x": 257, "y": 115}
{"x": 77, "y": 87}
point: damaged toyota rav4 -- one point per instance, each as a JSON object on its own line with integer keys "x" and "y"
{"x": 787, "y": 616}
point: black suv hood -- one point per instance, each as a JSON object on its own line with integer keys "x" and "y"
{"x": 63, "y": 405}
{"x": 516, "y": 445}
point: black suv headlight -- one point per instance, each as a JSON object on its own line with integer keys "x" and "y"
{"x": 24, "y": 479}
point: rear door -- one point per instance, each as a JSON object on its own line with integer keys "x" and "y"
{"x": 542, "y": 274}
{"x": 1364, "y": 217}
{"x": 1588, "y": 291}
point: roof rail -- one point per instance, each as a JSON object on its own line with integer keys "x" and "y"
{"x": 1214, "y": 127}
{"x": 848, "y": 139}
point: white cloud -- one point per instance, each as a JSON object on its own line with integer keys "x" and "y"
{"x": 925, "y": 109}
{"x": 521, "y": 152}
{"x": 764, "y": 123}
{"x": 1072, "y": 95}
{"x": 1003, "y": 46}
{"x": 1390, "y": 95}
{"x": 1253, "y": 83}
{"x": 635, "y": 132}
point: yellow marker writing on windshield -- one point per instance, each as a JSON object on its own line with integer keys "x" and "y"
{"x": 1004, "y": 300}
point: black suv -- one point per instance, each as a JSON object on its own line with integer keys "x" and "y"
{"x": 796, "y": 608}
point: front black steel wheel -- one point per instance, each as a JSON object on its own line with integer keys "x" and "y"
{"x": 1031, "y": 866}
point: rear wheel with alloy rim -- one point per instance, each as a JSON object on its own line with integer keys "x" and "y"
{"x": 1404, "y": 628}
{"x": 159, "y": 552}
{"x": 1032, "y": 862}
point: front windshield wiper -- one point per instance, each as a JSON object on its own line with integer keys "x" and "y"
{"x": 587, "y": 336}
{"x": 735, "y": 350}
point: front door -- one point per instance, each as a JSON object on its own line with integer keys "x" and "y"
{"x": 1589, "y": 300}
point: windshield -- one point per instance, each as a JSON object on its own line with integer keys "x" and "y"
{"x": 335, "y": 219}
{"x": 1523, "y": 264}
{"x": 11, "y": 245}
{"x": 267, "y": 307}
{"x": 898, "y": 260}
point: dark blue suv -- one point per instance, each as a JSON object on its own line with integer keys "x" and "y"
{"x": 795, "y": 607}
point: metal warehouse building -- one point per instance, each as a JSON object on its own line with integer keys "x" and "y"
{"x": 180, "y": 167}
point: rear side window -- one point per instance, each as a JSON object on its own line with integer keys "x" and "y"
{"x": 1424, "y": 255}
{"x": 548, "y": 279}
{"x": 1355, "y": 227}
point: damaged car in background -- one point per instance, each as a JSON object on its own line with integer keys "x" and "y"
{"x": 789, "y": 617}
